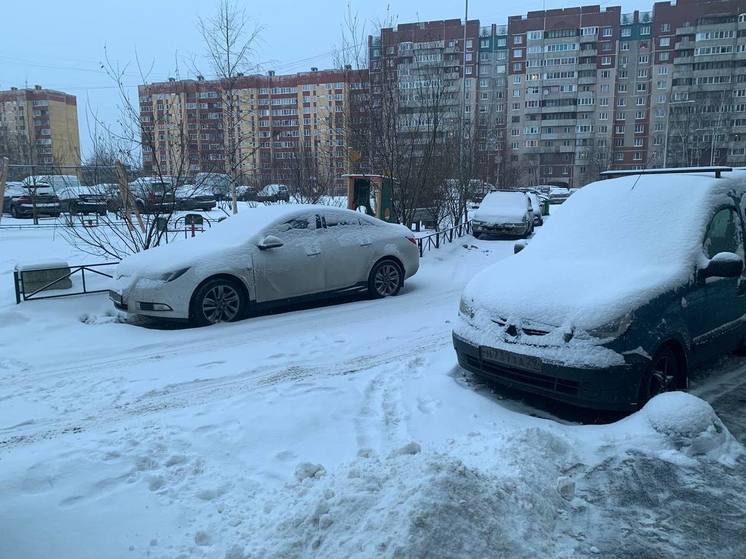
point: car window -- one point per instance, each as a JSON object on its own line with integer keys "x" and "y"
{"x": 724, "y": 233}
{"x": 334, "y": 219}
{"x": 295, "y": 224}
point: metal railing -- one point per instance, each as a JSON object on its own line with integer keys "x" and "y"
{"x": 434, "y": 240}
{"x": 20, "y": 287}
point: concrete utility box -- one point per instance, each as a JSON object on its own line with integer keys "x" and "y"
{"x": 36, "y": 276}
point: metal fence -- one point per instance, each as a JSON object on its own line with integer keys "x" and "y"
{"x": 434, "y": 240}
{"x": 27, "y": 285}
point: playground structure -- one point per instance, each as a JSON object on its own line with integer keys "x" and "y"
{"x": 378, "y": 189}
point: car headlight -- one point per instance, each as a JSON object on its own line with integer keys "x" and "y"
{"x": 465, "y": 309}
{"x": 612, "y": 329}
{"x": 171, "y": 276}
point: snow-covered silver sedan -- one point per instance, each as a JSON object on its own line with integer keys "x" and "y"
{"x": 266, "y": 255}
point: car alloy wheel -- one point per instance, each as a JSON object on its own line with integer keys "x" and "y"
{"x": 221, "y": 303}
{"x": 387, "y": 279}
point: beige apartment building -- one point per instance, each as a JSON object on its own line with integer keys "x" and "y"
{"x": 261, "y": 129}
{"x": 39, "y": 127}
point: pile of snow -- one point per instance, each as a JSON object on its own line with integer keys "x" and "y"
{"x": 531, "y": 492}
{"x": 606, "y": 251}
{"x": 502, "y": 207}
{"x": 688, "y": 425}
{"x": 415, "y": 503}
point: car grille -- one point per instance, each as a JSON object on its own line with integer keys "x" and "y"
{"x": 538, "y": 380}
{"x": 525, "y": 330}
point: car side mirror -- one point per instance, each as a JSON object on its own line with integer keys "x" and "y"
{"x": 518, "y": 247}
{"x": 270, "y": 241}
{"x": 723, "y": 265}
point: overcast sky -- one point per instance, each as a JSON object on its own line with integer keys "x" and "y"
{"x": 65, "y": 47}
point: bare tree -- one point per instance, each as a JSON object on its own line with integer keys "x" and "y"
{"x": 351, "y": 51}
{"x": 230, "y": 43}
{"x": 145, "y": 205}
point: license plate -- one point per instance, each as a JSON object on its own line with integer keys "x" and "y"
{"x": 509, "y": 359}
{"x": 116, "y": 297}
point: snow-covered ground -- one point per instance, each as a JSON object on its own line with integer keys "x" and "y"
{"x": 342, "y": 430}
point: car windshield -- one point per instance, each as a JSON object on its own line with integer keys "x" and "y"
{"x": 614, "y": 222}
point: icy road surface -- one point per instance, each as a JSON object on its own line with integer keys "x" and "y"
{"x": 335, "y": 431}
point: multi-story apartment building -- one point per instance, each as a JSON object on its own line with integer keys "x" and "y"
{"x": 561, "y": 78}
{"x": 259, "y": 128}
{"x": 39, "y": 127}
{"x": 553, "y": 96}
{"x": 424, "y": 80}
{"x": 703, "y": 44}
{"x": 563, "y": 94}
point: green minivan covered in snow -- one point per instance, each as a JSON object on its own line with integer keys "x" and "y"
{"x": 633, "y": 282}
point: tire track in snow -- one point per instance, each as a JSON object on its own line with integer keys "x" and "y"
{"x": 198, "y": 392}
{"x": 206, "y": 339}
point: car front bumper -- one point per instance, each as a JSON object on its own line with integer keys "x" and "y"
{"x": 41, "y": 209}
{"x": 153, "y": 298}
{"x": 603, "y": 388}
{"x": 512, "y": 229}
{"x": 88, "y": 207}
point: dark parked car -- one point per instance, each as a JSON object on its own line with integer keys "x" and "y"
{"x": 614, "y": 302}
{"x": 82, "y": 200}
{"x": 153, "y": 196}
{"x": 274, "y": 193}
{"x": 21, "y": 200}
{"x": 191, "y": 198}
{"x": 246, "y": 193}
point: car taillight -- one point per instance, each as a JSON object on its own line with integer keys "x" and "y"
{"x": 412, "y": 240}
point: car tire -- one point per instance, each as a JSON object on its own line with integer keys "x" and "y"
{"x": 218, "y": 300}
{"x": 661, "y": 376}
{"x": 385, "y": 280}
{"x": 477, "y": 235}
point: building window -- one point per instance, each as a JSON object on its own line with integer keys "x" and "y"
{"x": 626, "y": 31}
{"x": 607, "y": 32}
{"x": 645, "y": 30}
{"x": 605, "y": 60}
{"x": 469, "y": 43}
{"x": 517, "y": 53}
{"x": 665, "y": 27}
{"x": 665, "y": 41}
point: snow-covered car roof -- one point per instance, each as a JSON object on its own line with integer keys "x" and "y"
{"x": 55, "y": 181}
{"x": 232, "y": 232}
{"x": 501, "y": 205}
{"x": 614, "y": 245}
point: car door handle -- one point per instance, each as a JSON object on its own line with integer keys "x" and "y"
{"x": 365, "y": 243}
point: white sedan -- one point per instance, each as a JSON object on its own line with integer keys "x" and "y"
{"x": 266, "y": 255}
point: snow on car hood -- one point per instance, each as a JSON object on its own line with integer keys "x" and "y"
{"x": 502, "y": 207}
{"x": 612, "y": 247}
{"x": 221, "y": 241}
